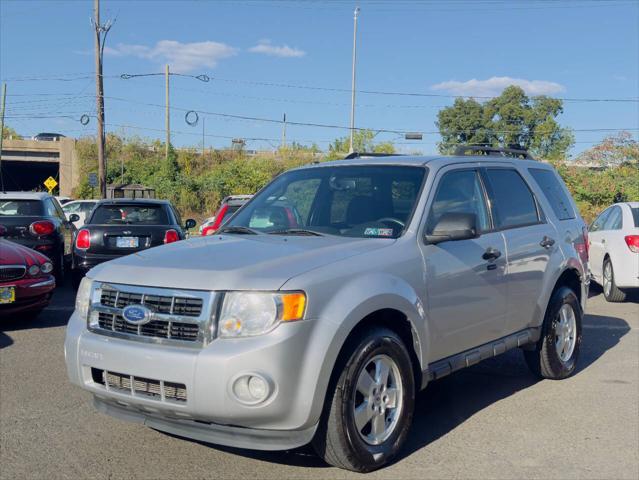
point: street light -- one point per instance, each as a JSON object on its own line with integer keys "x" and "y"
{"x": 355, "y": 15}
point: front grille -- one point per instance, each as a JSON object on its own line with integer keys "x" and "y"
{"x": 128, "y": 384}
{"x": 155, "y": 328}
{"x": 11, "y": 272}
{"x": 188, "y": 307}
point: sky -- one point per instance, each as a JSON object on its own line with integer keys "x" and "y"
{"x": 266, "y": 58}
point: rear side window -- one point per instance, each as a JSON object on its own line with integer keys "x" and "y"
{"x": 635, "y": 215}
{"x": 130, "y": 215}
{"x": 554, "y": 193}
{"x": 512, "y": 201}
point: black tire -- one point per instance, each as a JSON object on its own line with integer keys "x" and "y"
{"x": 60, "y": 269}
{"x": 611, "y": 292}
{"x": 544, "y": 360}
{"x": 338, "y": 440}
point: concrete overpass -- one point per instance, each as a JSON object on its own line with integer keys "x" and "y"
{"x": 27, "y": 163}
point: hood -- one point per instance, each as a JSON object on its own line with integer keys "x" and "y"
{"x": 13, "y": 254}
{"x": 232, "y": 262}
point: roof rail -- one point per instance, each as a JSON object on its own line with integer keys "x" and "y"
{"x": 462, "y": 150}
{"x": 350, "y": 156}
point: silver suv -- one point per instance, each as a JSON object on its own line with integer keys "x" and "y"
{"x": 329, "y": 300}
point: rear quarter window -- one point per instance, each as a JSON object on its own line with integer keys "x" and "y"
{"x": 635, "y": 215}
{"x": 554, "y": 192}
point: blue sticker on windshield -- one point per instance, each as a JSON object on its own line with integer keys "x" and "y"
{"x": 379, "y": 232}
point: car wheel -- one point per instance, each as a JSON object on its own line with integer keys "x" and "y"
{"x": 60, "y": 270}
{"x": 555, "y": 356}
{"x": 369, "y": 408}
{"x": 610, "y": 290}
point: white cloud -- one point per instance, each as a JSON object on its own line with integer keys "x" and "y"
{"x": 495, "y": 85}
{"x": 264, "y": 46}
{"x": 182, "y": 57}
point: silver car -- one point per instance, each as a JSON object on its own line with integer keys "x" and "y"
{"x": 614, "y": 250}
{"x": 371, "y": 278}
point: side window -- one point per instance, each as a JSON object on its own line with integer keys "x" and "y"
{"x": 512, "y": 201}
{"x": 58, "y": 210}
{"x": 86, "y": 207}
{"x": 459, "y": 191}
{"x": 555, "y": 194}
{"x": 613, "y": 222}
{"x": 600, "y": 221}
{"x": 49, "y": 208}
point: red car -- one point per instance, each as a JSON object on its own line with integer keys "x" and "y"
{"x": 26, "y": 282}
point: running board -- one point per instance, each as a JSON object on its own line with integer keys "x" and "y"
{"x": 448, "y": 365}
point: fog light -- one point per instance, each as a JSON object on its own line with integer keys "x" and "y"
{"x": 251, "y": 389}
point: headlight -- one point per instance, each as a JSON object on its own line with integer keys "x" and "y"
{"x": 83, "y": 297}
{"x": 34, "y": 270}
{"x": 245, "y": 314}
{"x": 46, "y": 267}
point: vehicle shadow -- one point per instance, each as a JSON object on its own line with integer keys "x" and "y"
{"x": 447, "y": 403}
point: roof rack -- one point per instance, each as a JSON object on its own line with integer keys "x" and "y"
{"x": 350, "y": 156}
{"x": 462, "y": 150}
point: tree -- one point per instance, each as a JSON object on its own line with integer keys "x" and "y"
{"x": 612, "y": 151}
{"x": 7, "y": 132}
{"x": 363, "y": 141}
{"x": 511, "y": 120}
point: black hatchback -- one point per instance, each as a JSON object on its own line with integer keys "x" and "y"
{"x": 124, "y": 226}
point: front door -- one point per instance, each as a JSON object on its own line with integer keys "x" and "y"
{"x": 596, "y": 251}
{"x": 465, "y": 289}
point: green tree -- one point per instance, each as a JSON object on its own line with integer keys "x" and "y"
{"x": 510, "y": 120}
{"x": 7, "y": 132}
{"x": 612, "y": 151}
{"x": 363, "y": 141}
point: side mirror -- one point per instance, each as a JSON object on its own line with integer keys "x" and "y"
{"x": 74, "y": 217}
{"x": 453, "y": 226}
{"x": 190, "y": 223}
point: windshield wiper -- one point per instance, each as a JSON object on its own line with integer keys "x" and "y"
{"x": 296, "y": 231}
{"x": 237, "y": 229}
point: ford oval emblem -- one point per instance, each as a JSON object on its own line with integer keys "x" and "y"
{"x": 136, "y": 314}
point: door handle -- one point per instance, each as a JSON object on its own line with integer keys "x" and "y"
{"x": 547, "y": 242}
{"x": 491, "y": 254}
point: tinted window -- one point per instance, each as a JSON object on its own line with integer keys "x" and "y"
{"x": 554, "y": 192}
{"x": 355, "y": 201}
{"x": 130, "y": 215}
{"x": 10, "y": 208}
{"x": 600, "y": 220}
{"x": 635, "y": 215}
{"x": 512, "y": 201}
{"x": 459, "y": 192}
{"x": 613, "y": 222}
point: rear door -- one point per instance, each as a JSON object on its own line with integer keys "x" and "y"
{"x": 466, "y": 293}
{"x": 530, "y": 242}
{"x": 596, "y": 237}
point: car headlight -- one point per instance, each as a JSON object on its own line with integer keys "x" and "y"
{"x": 46, "y": 267}
{"x": 34, "y": 270}
{"x": 245, "y": 314}
{"x": 83, "y": 297}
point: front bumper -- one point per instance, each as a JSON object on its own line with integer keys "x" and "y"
{"x": 287, "y": 418}
{"x": 31, "y": 294}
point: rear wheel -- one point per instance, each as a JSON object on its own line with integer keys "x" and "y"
{"x": 555, "y": 356}
{"x": 610, "y": 290}
{"x": 370, "y": 407}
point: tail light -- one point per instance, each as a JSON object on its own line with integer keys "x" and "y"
{"x": 171, "y": 236}
{"x": 219, "y": 216}
{"x": 83, "y": 240}
{"x": 210, "y": 230}
{"x": 41, "y": 228}
{"x": 633, "y": 242}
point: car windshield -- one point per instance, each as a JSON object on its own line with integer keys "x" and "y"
{"x": 20, "y": 208}
{"x": 353, "y": 201}
{"x": 129, "y": 215}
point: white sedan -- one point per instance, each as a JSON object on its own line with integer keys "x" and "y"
{"x": 614, "y": 250}
{"x": 82, "y": 208}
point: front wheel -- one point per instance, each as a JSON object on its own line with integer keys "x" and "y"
{"x": 555, "y": 356}
{"x": 370, "y": 407}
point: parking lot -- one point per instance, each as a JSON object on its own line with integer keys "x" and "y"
{"x": 493, "y": 420}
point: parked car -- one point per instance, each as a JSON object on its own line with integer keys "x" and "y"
{"x": 228, "y": 207}
{"x": 124, "y": 226}
{"x": 322, "y": 329}
{"x": 36, "y": 220}
{"x": 48, "y": 137}
{"x": 26, "y": 283}
{"x": 614, "y": 250}
{"x": 82, "y": 208}
{"x": 63, "y": 200}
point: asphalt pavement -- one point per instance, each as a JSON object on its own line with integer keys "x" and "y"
{"x": 494, "y": 420}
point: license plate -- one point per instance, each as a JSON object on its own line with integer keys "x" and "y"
{"x": 126, "y": 242}
{"x": 7, "y": 295}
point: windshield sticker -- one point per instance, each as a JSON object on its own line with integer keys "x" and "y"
{"x": 379, "y": 232}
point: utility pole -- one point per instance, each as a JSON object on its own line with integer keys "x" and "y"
{"x": 4, "y": 97}
{"x": 203, "y": 144}
{"x": 284, "y": 132}
{"x": 356, "y": 14}
{"x": 168, "y": 125}
{"x": 101, "y": 32}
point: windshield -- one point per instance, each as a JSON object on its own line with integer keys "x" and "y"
{"x": 129, "y": 215}
{"x": 20, "y": 208}
{"x": 354, "y": 201}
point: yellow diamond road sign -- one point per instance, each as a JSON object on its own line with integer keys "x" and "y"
{"x": 50, "y": 183}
